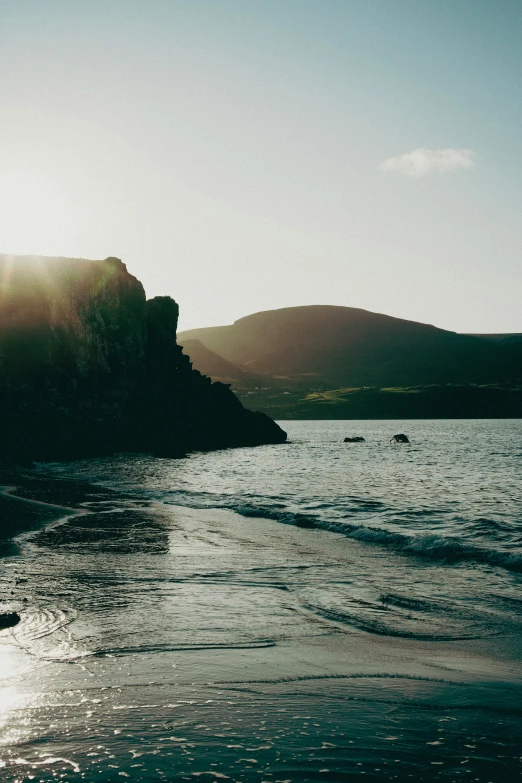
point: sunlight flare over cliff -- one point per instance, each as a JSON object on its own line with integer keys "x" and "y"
{"x": 37, "y": 213}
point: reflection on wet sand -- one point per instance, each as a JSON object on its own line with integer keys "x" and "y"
{"x": 164, "y": 643}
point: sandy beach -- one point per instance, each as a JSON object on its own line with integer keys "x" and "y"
{"x": 164, "y": 643}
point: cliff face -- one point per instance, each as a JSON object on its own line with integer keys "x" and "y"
{"x": 87, "y": 366}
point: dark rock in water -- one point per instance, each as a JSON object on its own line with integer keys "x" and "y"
{"x": 88, "y": 366}
{"x": 400, "y": 439}
{"x": 8, "y": 619}
{"x": 356, "y": 439}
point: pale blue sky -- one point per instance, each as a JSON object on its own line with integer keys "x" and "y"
{"x": 229, "y": 152}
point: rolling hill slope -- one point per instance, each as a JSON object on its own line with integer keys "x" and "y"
{"x": 344, "y": 347}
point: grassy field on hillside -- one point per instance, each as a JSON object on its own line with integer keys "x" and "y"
{"x": 416, "y": 402}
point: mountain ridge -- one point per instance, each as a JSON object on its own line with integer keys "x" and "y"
{"x": 352, "y": 346}
{"x": 314, "y": 348}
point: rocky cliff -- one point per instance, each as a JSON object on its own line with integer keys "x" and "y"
{"x": 88, "y": 366}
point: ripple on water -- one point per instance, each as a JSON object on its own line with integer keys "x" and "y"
{"x": 44, "y": 633}
{"x": 400, "y": 615}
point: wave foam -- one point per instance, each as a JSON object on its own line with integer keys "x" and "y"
{"x": 435, "y": 547}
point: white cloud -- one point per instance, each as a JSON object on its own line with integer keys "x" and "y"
{"x": 420, "y": 162}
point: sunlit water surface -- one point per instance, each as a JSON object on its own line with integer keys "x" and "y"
{"x": 309, "y": 611}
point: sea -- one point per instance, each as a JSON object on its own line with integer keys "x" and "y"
{"x": 315, "y": 610}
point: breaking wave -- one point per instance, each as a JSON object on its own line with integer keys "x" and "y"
{"x": 449, "y": 549}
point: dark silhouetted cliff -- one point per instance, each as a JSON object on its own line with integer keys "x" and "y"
{"x": 88, "y": 366}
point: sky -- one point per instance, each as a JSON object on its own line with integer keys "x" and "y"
{"x": 249, "y": 155}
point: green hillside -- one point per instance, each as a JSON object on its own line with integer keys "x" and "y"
{"x": 344, "y": 347}
{"x": 417, "y": 402}
{"x": 326, "y": 362}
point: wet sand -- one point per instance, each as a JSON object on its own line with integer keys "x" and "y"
{"x": 164, "y": 643}
{"x": 21, "y": 514}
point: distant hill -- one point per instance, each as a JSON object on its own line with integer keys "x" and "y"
{"x": 210, "y": 363}
{"x": 346, "y": 347}
{"x": 220, "y": 369}
{"x": 507, "y": 337}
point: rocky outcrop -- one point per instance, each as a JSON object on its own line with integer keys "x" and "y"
{"x": 88, "y": 366}
{"x": 8, "y": 619}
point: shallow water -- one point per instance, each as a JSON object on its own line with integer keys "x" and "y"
{"x": 451, "y": 501}
{"x": 176, "y": 629}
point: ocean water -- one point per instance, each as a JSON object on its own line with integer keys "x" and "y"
{"x": 316, "y": 610}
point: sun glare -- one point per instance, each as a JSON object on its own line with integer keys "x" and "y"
{"x": 37, "y": 215}
{"x": 12, "y": 662}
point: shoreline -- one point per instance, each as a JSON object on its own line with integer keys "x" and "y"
{"x": 188, "y": 641}
{"x": 21, "y": 515}
{"x": 245, "y": 529}
{"x": 30, "y": 514}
